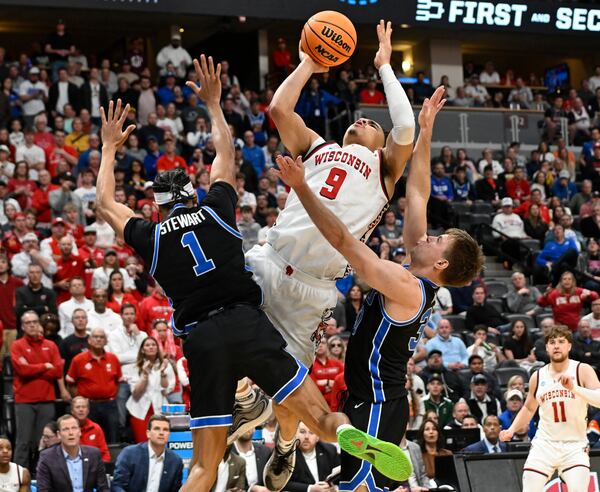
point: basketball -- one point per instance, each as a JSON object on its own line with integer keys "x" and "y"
{"x": 329, "y": 38}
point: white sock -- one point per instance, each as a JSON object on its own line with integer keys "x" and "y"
{"x": 342, "y": 427}
{"x": 283, "y": 444}
{"x": 246, "y": 397}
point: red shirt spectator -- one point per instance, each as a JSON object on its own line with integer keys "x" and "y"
{"x": 92, "y": 257}
{"x": 170, "y": 160}
{"x": 518, "y": 188}
{"x": 324, "y": 371}
{"x": 339, "y": 386}
{"x": 36, "y": 363}
{"x": 21, "y": 186}
{"x": 91, "y": 433}
{"x": 156, "y": 306}
{"x": 282, "y": 58}
{"x": 523, "y": 209}
{"x": 116, "y": 295}
{"x": 123, "y": 251}
{"x": 69, "y": 266}
{"x": 59, "y": 151}
{"x": 566, "y": 301}
{"x": 372, "y": 95}
{"x": 12, "y": 240}
{"x": 8, "y": 286}
{"x": 39, "y": 200}
{"x": 96, "y": 373}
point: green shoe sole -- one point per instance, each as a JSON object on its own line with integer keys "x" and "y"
{"x": 387, "y": 458}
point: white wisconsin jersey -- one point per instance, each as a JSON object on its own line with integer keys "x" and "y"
{"x": 563, "y": 415}
{"x": 349, "y": 182}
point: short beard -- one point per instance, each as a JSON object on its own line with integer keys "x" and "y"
{"x": 561, "y": 358}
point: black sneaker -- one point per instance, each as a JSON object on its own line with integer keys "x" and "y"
{"x": 245, "y": 419}
{"x": 280, "y": 467}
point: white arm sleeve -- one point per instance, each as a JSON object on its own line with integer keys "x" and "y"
{"x": 399, "y": 106}
{"x": 592, "y": 396}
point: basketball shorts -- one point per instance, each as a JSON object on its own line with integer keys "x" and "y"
{"x": 295, "y": 302}
{"x": 547, "y": 456}
{"x": 238, "y": 342}
{"x": 386, "y": 421}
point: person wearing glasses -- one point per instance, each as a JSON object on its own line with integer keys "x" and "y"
{"x": 37, "y": 365}
{"x": 96, "y": 375}
{"x": 49, "y": 436}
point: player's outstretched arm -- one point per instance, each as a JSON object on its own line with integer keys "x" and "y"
{"x": 521, "y": 421}
{"x": 295, "y": 135}
{"x": 113, "y": 136}
{"x": 389, "y": 278}
{"x": 590, "y": 386}
{"x": 418, "y": 185}
{"x": 209, "y": 91}
{"x": 399, "y": 143}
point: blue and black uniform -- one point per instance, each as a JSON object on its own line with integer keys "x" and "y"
{"x": 196, "y": 255}
{"x": 375, "y": 374}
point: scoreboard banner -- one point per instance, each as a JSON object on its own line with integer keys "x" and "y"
{"x": 523, "y": 16}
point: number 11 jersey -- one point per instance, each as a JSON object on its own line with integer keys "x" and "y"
{"x": 349, "y": 181}
{"x": 563, "y": 415}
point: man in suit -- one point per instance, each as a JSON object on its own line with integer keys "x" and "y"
{"x": 149, "y": 466}
{"x": 490, "y": 443}
{"x": 61, "y": 93}
{"x": 314, "y": 463}
{"x": 256, "y": 457}
{"x": 94, "y": 95}
{"x": 231, "y": 474}
{"x": 69, "y": 466}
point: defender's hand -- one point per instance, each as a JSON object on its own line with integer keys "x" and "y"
{"x": 290, "y": 171}
{"x": 209, "y": 78}
{"x": 112, "y": 125}
{"x": 384, "y": 53}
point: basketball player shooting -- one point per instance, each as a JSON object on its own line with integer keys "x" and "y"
{"x": 297, "y": 268}
{"x": 562, "y": 390}
{"x": 398, "y": 307}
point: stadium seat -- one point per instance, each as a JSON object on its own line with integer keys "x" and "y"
{"x": 496, "y": 289}
{"x": 477, "y": 219}
{"x": 461, "y": 208}
{"x": 497, "y": 303}
{"x": 457, "y": 322}
{"x": 503, "y": 374}
{"x": 465, "y": 376}
{"x": 483, "y": 208}
{"x": 532, "y": 244}
{"x": 528, "y": 320}
{"x": 542, "y": 316}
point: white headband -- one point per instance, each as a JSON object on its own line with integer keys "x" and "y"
{"x": 167, "y": 196}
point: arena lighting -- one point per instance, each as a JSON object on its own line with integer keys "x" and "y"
{"x": 404, "y": 26}
{"x": 242, "y": 19}
{"x": 181, "y": 30}
{"x": 406, "y": 66}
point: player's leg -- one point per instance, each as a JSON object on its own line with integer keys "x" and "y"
{"x": 534, "y": 481}
{"x": 252, "y": 408}
{"x": 577, "y": 478}
{"x": 209, "y": 448}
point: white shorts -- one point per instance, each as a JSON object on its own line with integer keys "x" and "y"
{"x": 296, "y": 303}
{"x": 545, "y": 457}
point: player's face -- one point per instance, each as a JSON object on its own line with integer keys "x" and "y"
{"x": 429, "y": 250}
{"x": 558, "y": 349}
{"x": 365, "y": 132}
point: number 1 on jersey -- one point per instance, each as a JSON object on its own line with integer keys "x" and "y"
{"x": 559, "y": 411}
{"x": 334, "y": 182}
{"x": 203, "y": 265}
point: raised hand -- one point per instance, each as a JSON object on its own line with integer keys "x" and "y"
{"x": 384, "y": 53}
{"x": 112, "y": 125}
{"x": 209, "y": 78}
{"x": 290, "y": 171}
{"x": 431, "y": 107}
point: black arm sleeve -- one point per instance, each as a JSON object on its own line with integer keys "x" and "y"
{"x": 222, "y": 198}
{"x": 139, "y": 234}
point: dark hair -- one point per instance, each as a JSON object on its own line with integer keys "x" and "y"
{"x": 110, "y": 291}
{"x": 157, "y": 417}
{"x": 140, "y": 356}
{"x": 524, "y": 341}
{"x": 473, "y": 357}
{"x": 127, "y": 305}
{"x": 558, "y": 331}
{"x": 421, "y": 433}
{"x": 471, "y": 416}
{"x": 479, "y": 328}
{"x": 490, "y": 416}
{"x": 173, "y": 182}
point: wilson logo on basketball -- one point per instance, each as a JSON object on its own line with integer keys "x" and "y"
{"x": 336, "y": 38}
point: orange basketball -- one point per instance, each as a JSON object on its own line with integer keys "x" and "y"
{"x": 329, "y": 38}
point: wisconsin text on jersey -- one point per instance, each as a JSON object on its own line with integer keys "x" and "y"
{"x": 182, "y": 221}
{"x": 557, "y": 393}
{"x": 344, "y": 157}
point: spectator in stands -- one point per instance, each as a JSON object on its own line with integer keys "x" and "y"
{"x": 117, "y": 297}
{"x": 488, "y": 160}
{"x": 96, "y": 375}
{"x": 353, "y": 305}
{"x": 390, "y": 231}
{"x": 256, "y": 456}
{"x": 579, "y": 123}
{"x": 431, "y": 442}
{"x": 518, "y": 345}
{"x": 101, "y": 316}
{"x": 314, "y": 105}
{"x": 552, "y": 119}
{"x": 486, "y": 188}
{"x": 453, "y": 349}
{"x": 489, "y": 352}
{"x": 101, "y": 277}
{"x": 372, "y": 95}
{"x": 489, "y": 74}
{"x": 324, "y": 370}
{"x": 463, "y": 189}
{"x": 60, "y": 197}
{"x": 150, "y": 383}
{"x": 248, "y": 227}
{"x": 555, "y": 257}
{"x": 50, "y": 327}
{"x": 34, "y": 95}
{"x": 459, "y": 412}
{"x": 509, "y": 224}
{"x": 442, "y": 192}
{"x": 534, "y": 224}
{"x": 31, "y": 256}
{"x": 93, "y": 96}
{"x": 282, "y": 59}
{"x": 36, "y": 367}
{"x": 563, "y": 188}
{"x": 594, "y": 319}
{"x": 521, "y": 298}
{"x": 585, "y": 348}
{"x": 69, "y": 266}
{"x": 8, "y": 321}
{"x": 462, "y": 99}
{"x": 175, "y": 54}
{"x": 490, "y": 443}
{"x": 581, "y": 197}
{"x": 480, "y": 402}
{"x": 476, "y": 367}
{"x": 77, "y": 341}
{"x": 34, "y": 296}
{"x": 514, "y": 403}
{"x": 521, "y": 94}
{"x": 436, "y": 401}
{"x": 518, "y": 187}
{"x": 62, "y": 467}
{"x": 590, "y": 226}
{"x": 155, "y": 306}
{"x": 125, "y": 343}
{"x": 567, "y": 300}
{"x": 483, "y": 313}
{"x": 91, "y": 433}
{"x": 315, "y": 461}
{"x": 453, "y": 387}
{"x": 149, "y": 465}
{"x": 77, "y": 301}
{"x": 61, "y": 93}
{"x": 50, "y": 436}
{"x": 421, "y": 88}
{"x": 478, "y": 92}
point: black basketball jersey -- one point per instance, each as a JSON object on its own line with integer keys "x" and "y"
{"x": 379, "y": 348}
{"x": 196, "y": 255}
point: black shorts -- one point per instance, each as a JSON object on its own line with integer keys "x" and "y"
{"x": 386, "y": 421}
{"x": 236, "y": 343}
